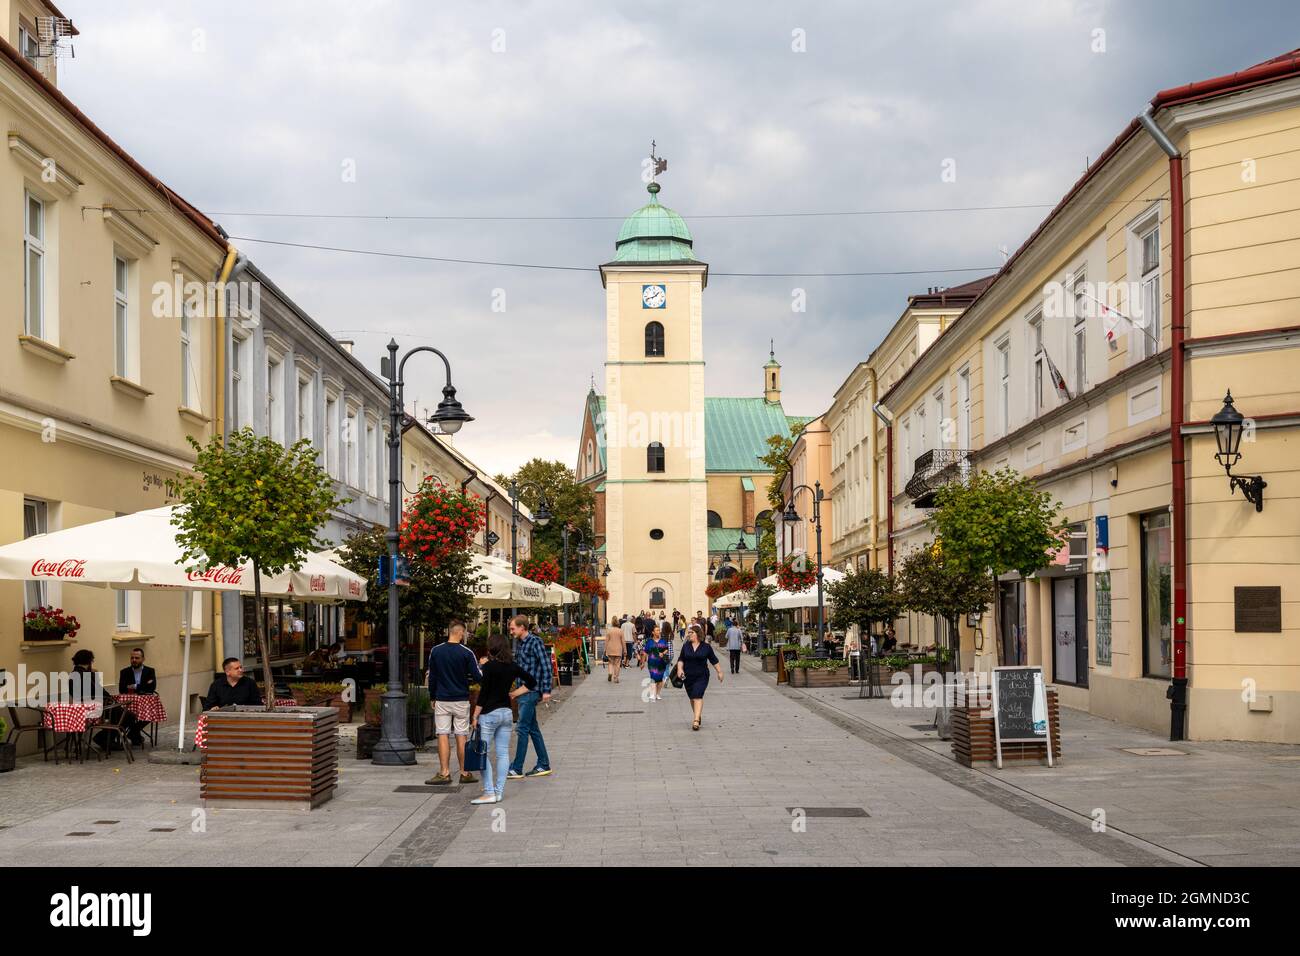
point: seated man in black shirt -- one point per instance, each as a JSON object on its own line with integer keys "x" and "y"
{"x": 233, "y": 688}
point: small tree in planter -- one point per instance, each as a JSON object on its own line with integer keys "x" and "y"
{"x": 996, "y": 522}
{"x": 250, "y": 499}
{"x": 865, "y": 598}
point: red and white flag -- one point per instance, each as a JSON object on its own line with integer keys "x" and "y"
{"x": 1057, "y": 378}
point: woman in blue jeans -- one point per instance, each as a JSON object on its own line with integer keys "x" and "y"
{"x": 493, "y": 717}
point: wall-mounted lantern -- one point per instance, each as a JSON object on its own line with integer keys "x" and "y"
{"x": 1229, "y": 425}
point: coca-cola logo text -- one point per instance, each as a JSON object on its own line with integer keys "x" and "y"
{"x": 69, "y": 568}
{"x": 218, "y": 575}
{"x": 318, "y": 583}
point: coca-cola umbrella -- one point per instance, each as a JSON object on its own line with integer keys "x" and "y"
{"x": 139, "y": 552}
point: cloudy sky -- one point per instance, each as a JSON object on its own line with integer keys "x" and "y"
{"x": 544, "y": 112}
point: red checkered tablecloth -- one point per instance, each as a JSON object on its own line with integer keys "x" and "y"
{"x": 70, "y": 718}
{"x": 201, "y": 731}
{"x": 147, "y": 708}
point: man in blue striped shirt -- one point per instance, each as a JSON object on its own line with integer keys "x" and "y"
{"x": 536, "y": 660}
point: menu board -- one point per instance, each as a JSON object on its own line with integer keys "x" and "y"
{"x": 1020, "y": 707}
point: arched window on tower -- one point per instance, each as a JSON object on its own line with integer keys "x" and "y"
{"x": 715, "y": 520}
{"x": 764, "y": 519}
{"x": 654, "y": 457}
{"x": 654, "y": 340}
{"x": 658, "y": 598}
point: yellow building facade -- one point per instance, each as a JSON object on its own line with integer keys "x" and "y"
{"x": 1065, "y": 368}
{"x": 104, "y": 371}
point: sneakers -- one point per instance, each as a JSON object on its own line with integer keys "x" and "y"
{"x": 658, "y": 697}
{"x": 438, "y": 780}
{"x": 486, "y": 798}
{"x": 539, "y": 772}
{"x": 514, "y": 774}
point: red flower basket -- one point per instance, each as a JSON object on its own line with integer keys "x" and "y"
{"x": 439, "y": 521}
{"x": 788, "y": 579}
{"x": 541, "y": 570}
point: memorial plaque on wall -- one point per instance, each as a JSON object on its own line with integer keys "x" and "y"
{"x": 1257, "y": 610}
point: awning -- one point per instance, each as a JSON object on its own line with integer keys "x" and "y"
{"x": 786, "y": 600}
{"x": 499, "y": 587}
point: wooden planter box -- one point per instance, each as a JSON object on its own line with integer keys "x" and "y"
{"x": 769, "y": 664}
{"x": 282, "y": 759}
{"x": 815, "y": 677}
{"x": 972, "y": 736}
{"x": 8, "y": 757}
{"x": 374, "y": 707}
{"x": 419, "y": 728}
{"x": 797, "y": 676}
{"x": 367, "y": 736}
{"x": 336, "y": 701}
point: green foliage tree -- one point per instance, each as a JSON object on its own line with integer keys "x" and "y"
{"x": 250, "y": 499}
{"x": 997, "y": 522}
{"x": 759, "y": 595}
{"x": 778, "y": 459}
{"x": 570, "y": 503}
{"x": 931, "y": 582}
{"x": 864, "y": 598}
{"x": 437, "y": 594}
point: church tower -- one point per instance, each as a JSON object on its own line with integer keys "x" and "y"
{"x": 772, "y": 379}
{"x": 656, "y": 508}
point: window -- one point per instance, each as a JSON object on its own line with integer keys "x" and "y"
{"x": 922, "y": 432}
{"x": 372, "y": 458}
{"x": 1004, "y": 384}
{"x": 591, "y": 459}
{"x": 941, "y": 421}
{"x": 905, "y": 459}
{"x": 121, "y": 303}
{"x": 353, "y": 446}
{"x": 1036, "y": 354}
{"x": 305, "y": 409}
{"x": 658, "y": 598}
{"x": 1144, "y": 263}
{"x": 35, "y": 514}
{"x": 189, "y": 360}
{"x": 654, "y": 340}
{"x": 1157, "y": 596}
{"x": 238, "y": 356}
{"x": 29, "y": 45}
{"x": 123, "y": 612}
{"x": 654, "y": 457}
{"x": 34, "y": 267}
{"x": 963, "y": 408}
{"x": 656, "y": 534}
{"x": 332, "y": 428}
{"x": 1080, "y": 333}
{"x": 714, "y": 520}
{"x": 275, "y": 397}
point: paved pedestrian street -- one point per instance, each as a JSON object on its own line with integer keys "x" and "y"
{"x": 775, "y": 777}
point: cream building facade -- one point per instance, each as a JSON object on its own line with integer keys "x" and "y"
{"x": 104, "y": 372}
{"x": 810, "y": 466}
{"x": 1208, "y": 277}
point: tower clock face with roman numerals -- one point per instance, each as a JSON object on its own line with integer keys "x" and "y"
{"x": 653, "y": 297}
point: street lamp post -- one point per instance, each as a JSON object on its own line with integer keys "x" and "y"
{"x": 394, "y": 749}
{"x": 541, "y": 517}
{"x": 790, "y": 517}
{"x": 741, "y": 548}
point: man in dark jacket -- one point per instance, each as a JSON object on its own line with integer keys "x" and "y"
{"x": 234, "y": 687}
{"x": 138, "y": 677}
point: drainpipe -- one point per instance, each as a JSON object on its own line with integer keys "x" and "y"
{"x": 1178, "y": 689}
{"x": 487, "y": 520}
{"x": 872, "y": 450}
{"x": 884, "y": 415}
{"x": 223, "y": 274}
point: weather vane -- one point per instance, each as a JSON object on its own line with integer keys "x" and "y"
{"x": 659, "y": 165}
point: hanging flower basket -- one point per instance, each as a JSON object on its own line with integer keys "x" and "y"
{"x": 541, "y": 570}
{"x": 788, "y": 579}
{"x": 439, "y": 521}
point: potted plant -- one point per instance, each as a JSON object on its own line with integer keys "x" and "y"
{"x": 819, "y": 672}
{"x": 419, "y": 715}
{"x": 49, "y": 624}
{"x": 374, "y": 704}
{"x": 8, "y": 751}
{"x": 250, "y": 499}
{"x": 768, "y": 657}
{"x": 310, "y": 694}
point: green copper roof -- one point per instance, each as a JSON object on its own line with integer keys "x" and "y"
{"x": 724, "y": 539}
{"x": 735, "y": 431}
{"x": 654, "y": 233}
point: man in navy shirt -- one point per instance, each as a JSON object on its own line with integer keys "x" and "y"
{"x": 536, "y": 660}
{"x": 452, "y": 668}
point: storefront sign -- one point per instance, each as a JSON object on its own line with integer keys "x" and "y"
{"x": 1101, "y": 582}
{"x": 1257, "y": 610}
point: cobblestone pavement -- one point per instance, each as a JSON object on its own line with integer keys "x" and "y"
{"x": 633, "y": 785}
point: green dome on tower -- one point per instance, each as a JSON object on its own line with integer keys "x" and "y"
{"x": 654, "y": 234}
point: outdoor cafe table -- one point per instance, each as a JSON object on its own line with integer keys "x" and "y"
{"x": 201, "y": 731}
{"x": 70, "y": 718}
{"x": 146, "y": 708}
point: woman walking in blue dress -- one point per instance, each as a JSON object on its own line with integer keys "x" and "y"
{"x": 658, "y": 653}
{"x": 693, "y": 667}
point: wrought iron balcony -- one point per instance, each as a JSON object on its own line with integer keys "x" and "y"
{"x": 934, "y": 469}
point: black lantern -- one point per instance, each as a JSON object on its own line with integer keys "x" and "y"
{"x": 542, "y": 516}
{"x": 1229, "y": 426}
{"x": 449, "y": 415}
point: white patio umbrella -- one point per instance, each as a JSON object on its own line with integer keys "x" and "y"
{"x": 785, "y": 600}
{"x": 557, "y": 593}
{"x": 139, "y": 552}
{"x": 498, "y": 587}
{"x": 732, "y": 599}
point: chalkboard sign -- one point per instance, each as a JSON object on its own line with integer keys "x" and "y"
{"x": 1020, "y": 708}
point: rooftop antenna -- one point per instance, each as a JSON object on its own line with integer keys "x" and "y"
{"x": 54, "y": 37}
{"x": 1006, "y": 253}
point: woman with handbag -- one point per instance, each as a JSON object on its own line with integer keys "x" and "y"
{"x": 693, "y": 669}
{"x": 657, "y": 654}
{"x": 492, "y": 718}
{"x": 613, "y": 653}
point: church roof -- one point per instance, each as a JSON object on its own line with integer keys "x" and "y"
{"x": 735, "y": 431}
{"x": 654, "y": 234}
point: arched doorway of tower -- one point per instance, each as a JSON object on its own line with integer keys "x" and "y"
{"x": 657, "y": 595}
